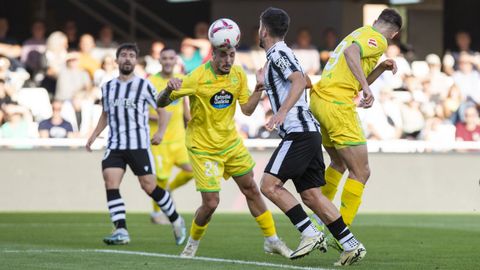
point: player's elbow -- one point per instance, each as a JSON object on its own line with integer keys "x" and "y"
{"x": 246, "y": 110}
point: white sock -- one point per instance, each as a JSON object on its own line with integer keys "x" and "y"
{"x": 195, "y": 242}
{"x": 273, "y": 238}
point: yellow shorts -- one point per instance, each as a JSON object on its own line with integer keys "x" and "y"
{"x": 209, "y": 169}
{"x": 339, "y": 123}
{"x": 167, "y": 155}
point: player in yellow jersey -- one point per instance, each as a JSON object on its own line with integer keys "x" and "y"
{"x": 351, "y": 68}
{"x": 172, "y": 151}
{"x": 214, "y": 146}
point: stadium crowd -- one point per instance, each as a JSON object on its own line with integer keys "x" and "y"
{"x": 50, "y": 84}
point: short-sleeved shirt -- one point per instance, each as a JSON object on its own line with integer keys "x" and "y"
{"x": 176, "y": 126}
{"x": 338, "y": 84}
{"x": 467, "y": 135}
{"x": 56, "y": 131}
{"x": 212, "y": 105}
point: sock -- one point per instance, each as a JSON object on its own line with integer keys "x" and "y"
{"x": 332, "y": 178}
{"x": 181, "y": 179}
{"x": 351, "y": 199}
{"x": 301, "y": 221}
{"x": 163, "y": 184}
{"x": 267, "y": 225}
{"x": 163, "y": 199}
{"x": 340, "y": 231}
{"x": 116, "y": 207}
{"x": 196, "y": 231}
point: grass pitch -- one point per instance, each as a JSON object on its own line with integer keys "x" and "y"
{"x": 73, "y": 241}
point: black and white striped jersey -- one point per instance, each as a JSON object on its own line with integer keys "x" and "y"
{"x": 126, "y": 104}
{"x": 281, "y": 63}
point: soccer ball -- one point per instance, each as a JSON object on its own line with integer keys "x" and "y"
{"x": 224, "y": 33}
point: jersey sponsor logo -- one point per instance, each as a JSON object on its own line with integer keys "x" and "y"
{"x": 221, "y": 99}
{"x": 372, "y": 43}
{"x": 124, "y": 102}
{"x": 283, "y": 63}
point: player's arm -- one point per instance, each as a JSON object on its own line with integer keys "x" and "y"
{"x": 101, "y": 125}
{"x": 308, "y": 81}
{"x": 186, "y": 110}
{"x": 352, "y": 56}
{"x": 298, "y": 84}
{"x": 249, "y": 107}
{"x": 388, "y": 64}
{"x": 163, "y": 118}
{"x": 174, "y": 91}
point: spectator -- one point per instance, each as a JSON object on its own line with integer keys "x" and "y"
{"x": 438, "y": 130}
{"x": 452, "y": 102}
{"x": 87, "y": 61}
{"x": 18, "y": 124}
{"x": 396, "y": 80}
{"x": 140, "y": 68}
{"x": 201, "y": 30}
{"x": 470, "y": 129}
{"x": 193, "y": 53}
{"x": 263, "y": 132}
{"x": 14, "y": 78}
{"x": 306, "y": 53}
{"x": 153, "y": 59}
{"x": 55, "y": 58}
{"x": 8, "y": 45}
{"x": 56, "y": 126}
{"x": 34, "y": 48}
{"x": 328, "y": 45}
{"x": 70, "y": 30}
{"x": 71, "y": 79}
{"x": 412, "y": 119}
{"x": 439, "y": 82}
{"x": 451, "y": 59}
{"x": 5, "y": 100}
{"x": 107, "y": 72}
{"x": 105, "y": 44}
{"x": 467, "y": 79}
{"x": 384, "y": 120}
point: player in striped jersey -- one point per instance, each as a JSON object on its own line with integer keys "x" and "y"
{"x": 125, "y": 110}
{"x": 299, "y": 156}
{"x": 171, "y": 151}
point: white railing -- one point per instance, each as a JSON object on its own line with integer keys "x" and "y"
{"x": 395, "y": 146}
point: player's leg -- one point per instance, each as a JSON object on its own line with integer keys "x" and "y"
{"x": 113, "y": 166}
{"x": 333, "y": 173}
{"x": 141, "y": 163}
{"x": 163, "y": 166}
{"x": 207, "y": 171}
{"x": 262, "y": 215}
{"x": 180, "y": 154}
{"x": 356, "y": 160}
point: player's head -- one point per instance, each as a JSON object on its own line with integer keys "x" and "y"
{"x": 390, "y": 22}
{"x": 274, "y": 23}
{"x": 127, "y": 54}
{"x": 168, "y": 60}
{"x": 222, "y": 59}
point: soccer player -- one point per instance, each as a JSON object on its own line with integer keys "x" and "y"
{"x": 351, "y": 68}
{"x": 299, "y": 156}
{"x": 214, "y": 146}
{"x": 171, "y": 151}
{"x": 125, "y": 111}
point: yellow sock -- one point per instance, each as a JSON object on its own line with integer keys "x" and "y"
{"x": 181, "y": 179}
{"x": 351, "y": 199}
{"x": 161, "y": 183}
{"x": 266, "y": 223}
{"x": 196, "y": 231}
{"x": 332, "y": 178}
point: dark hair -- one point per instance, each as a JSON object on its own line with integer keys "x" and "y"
{"x": 276, "y": 21}
{"x": 391, "y": 16}
{"x": 167, "y": 49}
{"x": 129, "y": 47}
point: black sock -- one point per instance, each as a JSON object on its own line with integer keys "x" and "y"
{"x": 163, "y": 199}
{"x": 341, "y": 232}
{"x": 299, "y": 218}
{"x": 116, "y": 207}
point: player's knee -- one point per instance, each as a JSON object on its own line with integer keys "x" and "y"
{"x": 211, "y": 204}
{"x": 366, "y": 173}
{"x": 338, "y": 165}
{"x": 309, "y": 197}
{"x": 148, "y": 185}
{"x": 251, "y": 190}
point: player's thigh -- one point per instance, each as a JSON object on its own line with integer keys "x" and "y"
{"x": 314, "y": 175}
{"x": 347, "y": 131}
{"x": 356, "y": 160}
{"x": 207, "y": 171}
{"x": 321, "y": 110}
{"x": 141, "y": 161}
{"x": 238, "y": 162}
{"x": 113, "y": 168}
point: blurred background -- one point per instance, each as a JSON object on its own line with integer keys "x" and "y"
{"x": 423, "y": 130}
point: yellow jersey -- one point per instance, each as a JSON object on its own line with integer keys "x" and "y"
{"x": 213, "y": 100}
{"x": 176, "y": 126}
{"x": 338, "y": 84}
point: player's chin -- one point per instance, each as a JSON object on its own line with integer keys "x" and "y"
{"x": 226, "y": 69}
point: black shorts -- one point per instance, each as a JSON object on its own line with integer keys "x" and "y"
{"x": 299, "y": 157}
{"x": 140, "y": 161}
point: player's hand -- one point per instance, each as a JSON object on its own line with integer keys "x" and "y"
{"x": 174, "y": 84}
{"x": 157, "y": 138}
{"x": 90, "y": 141}
{"x": 260, "y": 75}
{"x": 259, "y": 87}
{"x": 367, "y": 100}
{"x": 276, "y": 120}
{"x": 389, "y": 64}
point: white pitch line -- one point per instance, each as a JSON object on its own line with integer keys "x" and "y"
{"x": 163, "y": 255}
